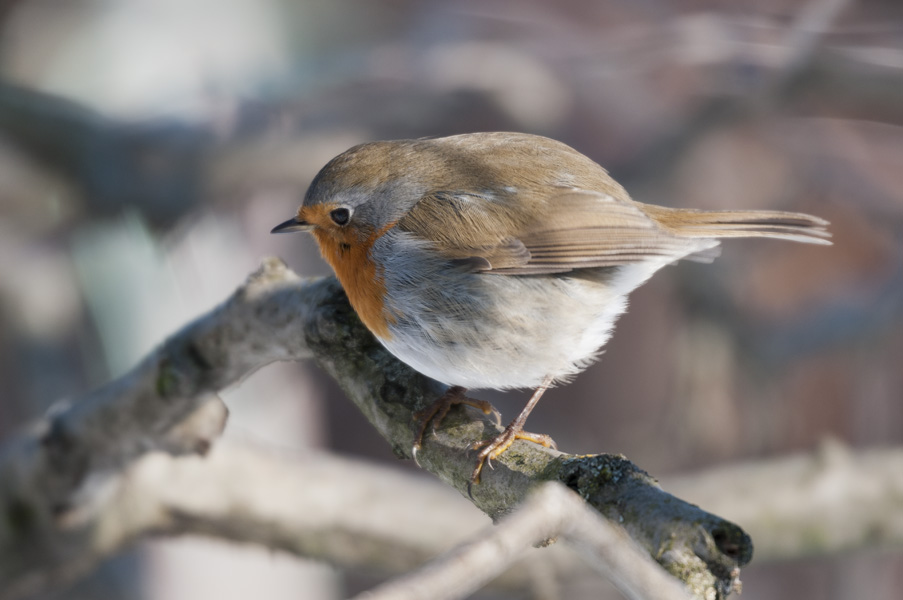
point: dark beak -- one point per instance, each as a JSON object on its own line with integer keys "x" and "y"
{"x": 293, "y": 224}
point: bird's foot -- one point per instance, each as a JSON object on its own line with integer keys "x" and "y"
{"x": 436, "y": 412}
{"x": 493, "y": 448}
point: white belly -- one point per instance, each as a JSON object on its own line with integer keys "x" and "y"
{"x": 480, "y": 330}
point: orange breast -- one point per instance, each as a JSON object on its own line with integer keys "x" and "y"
{"x": 362, "y": 280}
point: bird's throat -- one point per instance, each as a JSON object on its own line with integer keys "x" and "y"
{"x": 361, "y": 278}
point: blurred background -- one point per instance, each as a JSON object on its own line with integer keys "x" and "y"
{"x": 148, "y": 146}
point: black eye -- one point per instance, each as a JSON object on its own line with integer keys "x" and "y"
{"x": 340, "y": 216}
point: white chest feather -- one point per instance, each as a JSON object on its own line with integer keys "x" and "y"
{"x": 480, "y": 330}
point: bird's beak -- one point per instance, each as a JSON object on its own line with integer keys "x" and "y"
{"x": 293, "y": 224}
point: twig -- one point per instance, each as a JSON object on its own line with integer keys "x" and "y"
{"x": 549, "y": 512}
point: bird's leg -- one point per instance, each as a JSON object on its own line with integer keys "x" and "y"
{"x": 436, "y": 412}
{"x": 514, "y": 431}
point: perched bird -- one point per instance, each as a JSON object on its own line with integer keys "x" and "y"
{"x": 501, "y": 260}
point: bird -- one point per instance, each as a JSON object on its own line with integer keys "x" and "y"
{"x": 501, "y": 260}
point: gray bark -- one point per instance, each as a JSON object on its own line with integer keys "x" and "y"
{"x": 54, "y": 479}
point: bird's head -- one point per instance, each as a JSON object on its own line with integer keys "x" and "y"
{"x": 359, "y": 193}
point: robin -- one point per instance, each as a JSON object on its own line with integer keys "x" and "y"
{"x": 501, "y": 260}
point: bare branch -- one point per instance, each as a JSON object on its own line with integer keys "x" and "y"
{"x": 365, "y": 516}
{"x": 825, "y": 502}
{"x": 51, "y": 480}
{"x": 550, "y": 511}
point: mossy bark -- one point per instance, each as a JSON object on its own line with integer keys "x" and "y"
{"x": 168, "y": 403}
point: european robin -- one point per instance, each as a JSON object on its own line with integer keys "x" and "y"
{"x": 501, "y": 260}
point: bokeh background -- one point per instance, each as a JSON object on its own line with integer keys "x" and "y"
{"x": 148, "y": 146}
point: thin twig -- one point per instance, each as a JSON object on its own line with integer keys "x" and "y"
{"x": 549, "y": 512}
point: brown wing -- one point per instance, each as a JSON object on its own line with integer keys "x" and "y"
{"x": 573, "y": 229}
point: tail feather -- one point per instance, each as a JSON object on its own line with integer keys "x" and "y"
{"x": 795, "y": 227}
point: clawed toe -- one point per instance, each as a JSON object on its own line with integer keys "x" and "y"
{"x": 495, "y": 447}
{"x": 491, "y": 448}
{"x": 433, "y": 415}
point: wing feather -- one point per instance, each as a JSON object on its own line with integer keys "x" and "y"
{"x": 572, "y": 229}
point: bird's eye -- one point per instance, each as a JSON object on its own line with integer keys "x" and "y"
{"x": 340, "y": 216}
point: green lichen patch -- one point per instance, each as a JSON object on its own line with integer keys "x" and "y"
{"x": 589, "y": 474}
{"x": 167, "y": 382}
{"x": 21, "y": 517}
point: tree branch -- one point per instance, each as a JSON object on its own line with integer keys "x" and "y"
{"x": 366, "y": 516}
{"x": 51, "y": 480}
{"x": 550, "y": 511}
{"x": 814, "y": 504}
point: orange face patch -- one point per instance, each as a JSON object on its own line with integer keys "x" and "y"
{"x": 347, "y": 250}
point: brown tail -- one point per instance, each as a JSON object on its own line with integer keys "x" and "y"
{"x": 795, "y": 227}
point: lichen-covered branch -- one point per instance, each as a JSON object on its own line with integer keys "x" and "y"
{"x": 51, "y": 481}
{"x": 690, "y": 543}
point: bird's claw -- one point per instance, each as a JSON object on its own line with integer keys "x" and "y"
{"x": 495, "y": 447}
{"x": 433, "y": 415}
